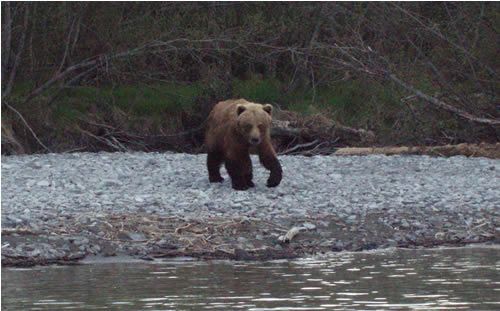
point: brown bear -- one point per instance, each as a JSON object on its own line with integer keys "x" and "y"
{"x": 234, "y": 129}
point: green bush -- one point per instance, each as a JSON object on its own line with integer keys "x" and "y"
{"x": 258, "y": 90}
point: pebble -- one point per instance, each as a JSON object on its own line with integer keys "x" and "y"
{"x": 134, "y": 236}
{"x": 405, "y": 224}
{"x": 43, "y": 183}
{"x": 80, "y": 241}
{"x": 309, "y": 226}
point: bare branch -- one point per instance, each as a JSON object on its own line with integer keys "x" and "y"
{"x": 17, "y": 59}
{"x": 67, "y": 45}
{"x": 27, "y": 126}
{"x": 442, "y": 105}
{"x": 70, "y": 82}
{"x": 436, "y": 32}
{"x": 39, "y": 90}
{"x": 8, "y": 38}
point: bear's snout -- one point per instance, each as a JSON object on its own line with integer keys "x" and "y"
{"x": 255, "y": 140}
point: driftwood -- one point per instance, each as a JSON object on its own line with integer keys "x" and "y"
{"x": 469, "y": 150}
{"x": 318, "y": 131}
{"x": 287, "y": 238}
{"x": 299, "y": 146}
{"x": 287, "y": 124}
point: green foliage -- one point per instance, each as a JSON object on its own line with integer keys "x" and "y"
{"x": 258, "y": 90}
{"x": 152, "y": 100}
{"x": 65, "y": 114}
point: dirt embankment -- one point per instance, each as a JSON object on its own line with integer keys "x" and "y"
{"x": 150, "y": 237}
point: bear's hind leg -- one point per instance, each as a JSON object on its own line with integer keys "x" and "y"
{"x": 250, "y": 183}
{"x": 214, "y": 162}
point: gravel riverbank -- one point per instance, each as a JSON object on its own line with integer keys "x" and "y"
{"x": 59, "y": 208}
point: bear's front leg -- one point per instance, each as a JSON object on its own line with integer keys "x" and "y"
{"x": 275, "y": 176}
{"x": 240, "y": 170}
{"x": 269, "y": 160}
{"x": 247, "y": 169}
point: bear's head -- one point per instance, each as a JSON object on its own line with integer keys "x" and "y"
{"x": 254, "y": 121}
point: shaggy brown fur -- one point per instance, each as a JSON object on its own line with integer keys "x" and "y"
{"x": 236, "y": 127}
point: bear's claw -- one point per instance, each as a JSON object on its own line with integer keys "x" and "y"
{"x": 272, "y": 183}
{"x": 216, "y": 179}
{"x": 240, "y": 187}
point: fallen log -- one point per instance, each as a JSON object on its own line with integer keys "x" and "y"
{"x": 470, "y": 150}
{"x": 288, "y": 124}
{"x": 287, "y": 238}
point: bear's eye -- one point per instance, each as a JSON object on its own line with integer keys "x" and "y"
{"x": 247, "y": 127}
{"x": 261, "y": 126}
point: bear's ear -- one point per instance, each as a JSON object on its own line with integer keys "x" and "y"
{"x": 240, "y": 109}
{"x": 268, "y": 108}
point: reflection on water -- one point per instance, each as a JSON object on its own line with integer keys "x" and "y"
{"x": 446, "y": 279}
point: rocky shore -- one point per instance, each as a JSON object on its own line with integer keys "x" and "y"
{"x": 61, "y": 208}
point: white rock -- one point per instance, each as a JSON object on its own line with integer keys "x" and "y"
{"x": 43, "y": 183}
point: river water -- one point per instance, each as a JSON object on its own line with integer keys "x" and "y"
{"x": 438, "y": 279}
